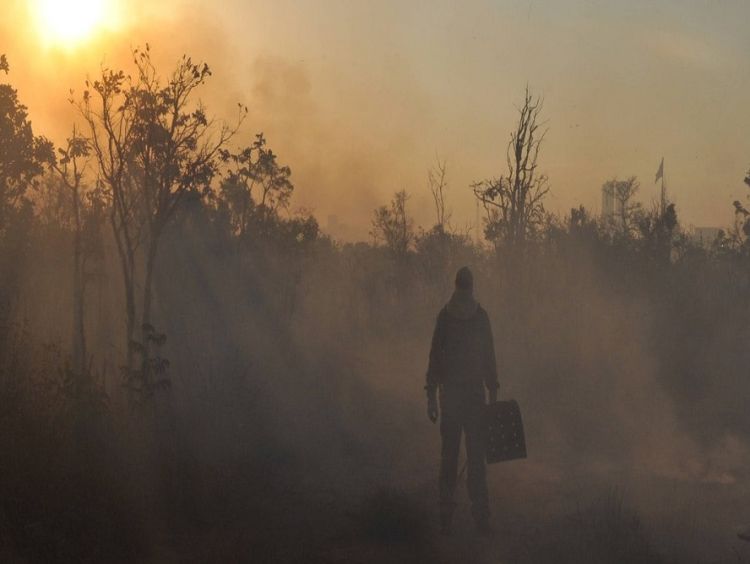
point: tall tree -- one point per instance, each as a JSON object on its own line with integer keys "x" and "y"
{"x": 153, "y": 144}
{"x": 23, "y": 155}
{"x": 514, "y": 202}
{"x": 70, "y": 166}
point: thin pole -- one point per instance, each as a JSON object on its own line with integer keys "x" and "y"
{"x": 663, "y": 191}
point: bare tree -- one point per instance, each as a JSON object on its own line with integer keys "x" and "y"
{"x": 514, "y": 203}
{"x": 437, "y": 180}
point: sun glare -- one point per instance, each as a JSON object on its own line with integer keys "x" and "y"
{"x": 70, "y": 22}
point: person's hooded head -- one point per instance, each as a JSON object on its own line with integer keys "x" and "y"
{"x": 465, "y": 280}
{"x": 462, "y": 303}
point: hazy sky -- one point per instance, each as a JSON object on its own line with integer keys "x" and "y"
{"x": 358, "y": 97}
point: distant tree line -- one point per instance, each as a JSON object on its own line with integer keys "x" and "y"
{"x": 147, "y": 150}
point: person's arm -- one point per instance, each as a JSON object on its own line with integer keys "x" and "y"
{"x": 490, "y": 363}
{"x": 433, "y": 368}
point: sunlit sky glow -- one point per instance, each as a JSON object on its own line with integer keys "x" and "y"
{"x": 359, "y": 96}
{"x": 69, "y": 23}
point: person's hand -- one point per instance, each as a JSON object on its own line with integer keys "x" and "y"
{"x": 432, "y": 409}
{"x": 493, "y": 395}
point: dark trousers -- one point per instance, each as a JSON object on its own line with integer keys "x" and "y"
{"x": 461, "y": 412}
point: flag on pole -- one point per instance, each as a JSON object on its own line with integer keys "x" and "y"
{"x": 660, "y": 172}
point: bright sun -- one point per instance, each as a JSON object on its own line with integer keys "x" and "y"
{"x": 70, "y": 22}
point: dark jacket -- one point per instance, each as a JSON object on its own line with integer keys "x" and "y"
{"x": 463, "y": 350}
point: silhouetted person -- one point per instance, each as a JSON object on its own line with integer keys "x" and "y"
{"x": 462, "y": 365}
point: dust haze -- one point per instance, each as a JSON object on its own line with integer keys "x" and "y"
{"x": 253, "y": 389}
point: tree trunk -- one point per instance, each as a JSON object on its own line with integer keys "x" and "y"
{"x": 79, "y": 335}
{"x": 146, "y": 325}
{"x": 127, "y": 266}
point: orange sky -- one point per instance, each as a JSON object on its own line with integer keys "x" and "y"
{"x": 358, "y": 97}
